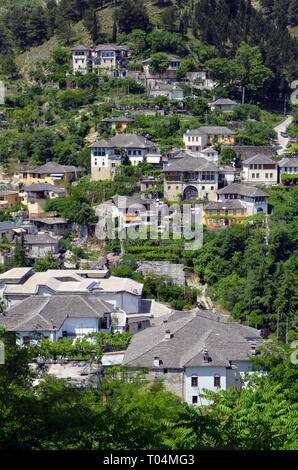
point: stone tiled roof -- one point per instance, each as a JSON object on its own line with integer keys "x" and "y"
{"x": 288, "y": 163}
{"x": 43, "y": 187}
{"x": 111, "y": 47}
{"x": 191, "y": 332}
{"x": 242, "y": 190}
{"x": 41, "y": 239}
{"x": 53, "y": 167}
{"x": 125, "y": 141}
{"x": 213, "y": 130}
{"x": 259, "y": 158}
{"x": 80, "y": 47}
{"x": 223, "y": 101}
{"x": 229, "y": 204}
{"x": 248, "y": 151}
{"x": 36, "y": 312}
{"x": 186, "y": 162}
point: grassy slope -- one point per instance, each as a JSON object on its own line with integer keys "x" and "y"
{"x": 43, "y": 52}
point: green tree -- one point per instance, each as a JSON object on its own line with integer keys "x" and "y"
{"x": 132, "y": 14}
{"x": 159, "y": 63}
{"x": 48, "y": 262}
{"x": 19, "y": 257}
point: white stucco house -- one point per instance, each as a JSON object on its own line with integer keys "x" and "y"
{"x": 122, "y": 293}
{"x": 192, "y": 351}
{"x": 260, "y": 169}
{"x": 255, "y": 200}
{"x": 55, "y": 317}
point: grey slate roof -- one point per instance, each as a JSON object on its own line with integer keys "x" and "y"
{"x": 43, "y": 187}
{"x": 214, "y": 130}
{"x": 111, "y": 47}
{"x": 40, "y": 239}
{"x": 259, "y": 158}
{"x": 6, "y": 226}
{"x": 126, "y": 141}
{"x": 81, "y": 47}
{"x": 51, "y": 220}
{"x": 242, "y": 190}
{"x": 248, "y": 151}
{"x": 229, "y": 204}
{"x": 288, "y": 163}
{"x": 223, "y": 101}
{"x": 186, "y": 162}
{"x": 53, "y": 167}
{"x": 191, "y": 332}
{"x": 36, "y": 312}
{"x": 127, "y": 201}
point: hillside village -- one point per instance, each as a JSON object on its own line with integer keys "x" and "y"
{"x": 111, "y": 152}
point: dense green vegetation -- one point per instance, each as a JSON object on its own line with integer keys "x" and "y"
{"x": 122, "y": 414}
{"x": 254, "y": 280}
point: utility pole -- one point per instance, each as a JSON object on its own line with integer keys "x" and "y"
{"x": 243, "y": 94}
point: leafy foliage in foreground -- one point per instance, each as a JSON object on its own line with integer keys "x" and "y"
{"x": 128, "y": 413}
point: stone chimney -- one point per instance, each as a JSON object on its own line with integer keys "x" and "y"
{"x": 205, "y": 355}
{"x": 156, "y": 361}
{"x": 52, "y": 325}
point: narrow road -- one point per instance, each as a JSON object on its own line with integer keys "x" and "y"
{"x": 282, "y": 127}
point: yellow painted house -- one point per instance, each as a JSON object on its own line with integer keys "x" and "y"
{"x": 52, "y": 173}
{"x": 9, "y": 199}
{"x": 36, "y": 196}
{"x": 119, "y": 123}
{"x": 222, "y": 214}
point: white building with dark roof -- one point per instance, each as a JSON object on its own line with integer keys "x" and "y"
{"x": 255, "y": 199}
{"x": 54, "y": 317}
{"x": 192, "y": 177}
{"x": 223, "y": 104}
{"x": 196, "y": 140}
{"x": 192, "y": 351}
{"x": 260, "y": 169}
{"x": 108, "y": 56}
{"x": 107, "y": 154}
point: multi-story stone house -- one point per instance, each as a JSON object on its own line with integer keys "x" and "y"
{"x": 106, "y": 154}
{"x": 190, "y": 178}
{"x": 52, "y": 173}
{"x": 107, "y": 56}
{"x": 256, "y": 200}
{"x": 169, "y": 76}
{"x": 192, "y": 351}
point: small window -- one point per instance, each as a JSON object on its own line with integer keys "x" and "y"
{"x": 165, "y": 371}
{"x": 216, "y": 381}
{"x": 194, "y": 399}
{"x": 26, "y": 340}
{"x": 194, "y": 381}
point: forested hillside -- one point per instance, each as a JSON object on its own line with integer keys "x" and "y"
{"x": 213, "y": 30}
